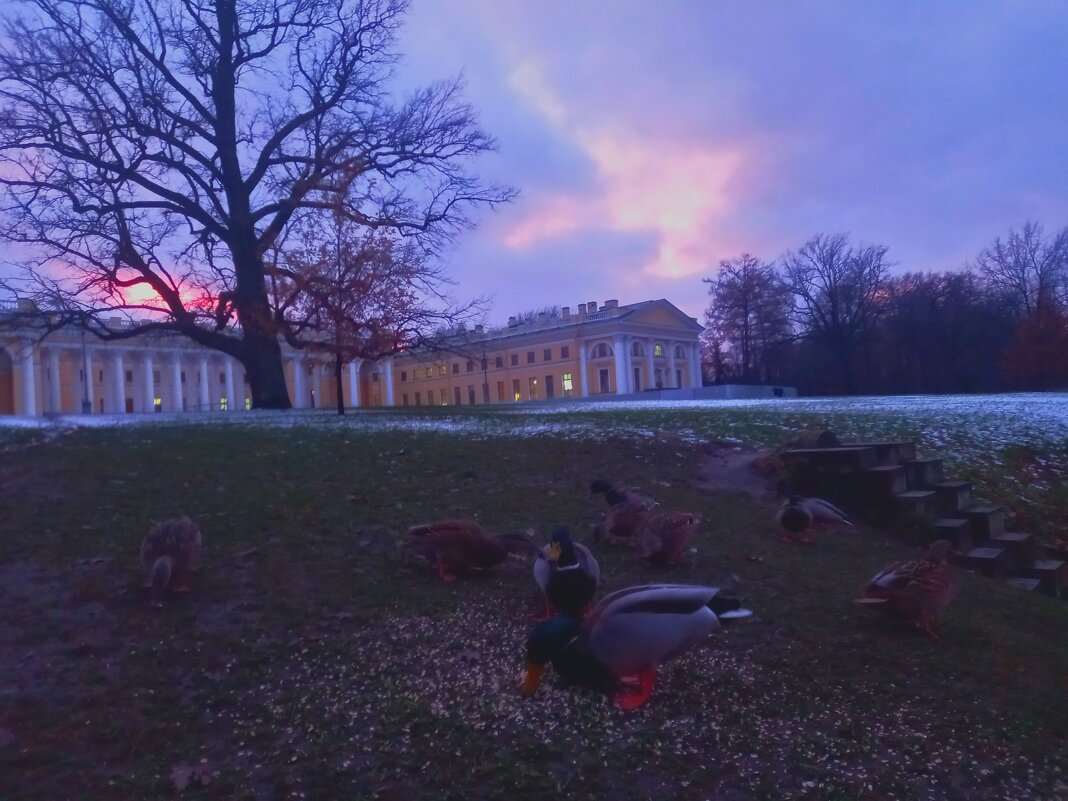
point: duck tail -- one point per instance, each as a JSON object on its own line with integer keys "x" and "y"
{"x": 727, "y": 607}
{"x": 162, "y": 569}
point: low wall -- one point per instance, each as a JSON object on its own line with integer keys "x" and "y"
{"x": 715, "y": 392}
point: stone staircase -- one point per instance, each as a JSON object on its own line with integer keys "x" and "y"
{"x": 887, "y": 480}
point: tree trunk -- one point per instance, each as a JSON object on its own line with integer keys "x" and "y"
{"x": 262, "y": 358}
{"x": 337, "y": 380}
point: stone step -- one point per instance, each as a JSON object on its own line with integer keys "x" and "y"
{"x": 956, "y": 530}
{"x": 1026, "y": 584}
{"x": 1020, "y": 545}
{"x": 923, "y": 474}
{"x": 888, "y": 454}
{"x": 917, "y": 504}
{"x": 1055, "y": 552}
{"x": 883, "y": 483}
{"x": 988, "y": 521}
{"x": 953, "y": 496}
{"x": 986, "y": 560}
{"x": 1052, "y": 575}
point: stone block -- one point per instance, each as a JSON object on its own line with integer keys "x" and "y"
{"x": 953, "y": 496}
{"x": 923, "y": 474}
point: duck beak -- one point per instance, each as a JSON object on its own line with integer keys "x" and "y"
{"x": 532, "y": 678}
{"x": 554, "y": 552}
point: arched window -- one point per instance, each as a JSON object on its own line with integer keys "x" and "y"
{"x": 602, "y": 351}
{"x": 680, "y": 353}
{"x": 637, "y": 350}
{"x": 658, "y": 350}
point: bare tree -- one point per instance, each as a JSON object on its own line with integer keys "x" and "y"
{"x": 1028, "y": 267}
{"x": 749, "y": 313}
{"x": 153, "y": 151}
{"x": 839, "y": 292}
{"x": 359, "y": 294}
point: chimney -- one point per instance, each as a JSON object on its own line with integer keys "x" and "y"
{"x": 565, "y": 311}
{"x": 591, "y": 307}
{"x": 512, "y": 322}
{"x": 611, "y": 304}
{"x": 582, "y": 309}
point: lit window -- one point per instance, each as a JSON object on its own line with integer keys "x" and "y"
{"x": 157, "y": 404}
{"x": 567, "y": 385}
{"x": 444, "y": 400}
{"x": 223, "y": 404}
{"x": 658, "y": 350}
{"x": 533, "y": 384}
{"x": 515, "y": 390}
{"x": 441, "y": 370}
{"x": 248, "y": 404}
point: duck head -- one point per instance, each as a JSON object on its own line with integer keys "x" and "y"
{"x": 562, "y": 547}
{"x": 544, "y": 642}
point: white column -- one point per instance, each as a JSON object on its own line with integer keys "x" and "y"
{"x": 29, "y": 381}
{"x": 118, "y": 385}
{"x": 176, "y": 384}
{"x": 620, "y": 345}
{"x": 354, "y": 382}
{"x": 650, "y": 365}
{"x": 317, "y": 384}
{"x": 231, "y": 398}
{"x": 87, "y": 378}
{"x": 149, "y": 387}
{"x": 54, "y": 395}
{"x": 205, "y": 385}
{"x": 695, "y": 364}
{"x": 300, "y": 393}
{"x": 583, "y": 380}
{"x": 669, "y": 380}
{"x": 387, "y": 366}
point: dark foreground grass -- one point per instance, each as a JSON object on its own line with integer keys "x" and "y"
{"x": 314, "y": 660}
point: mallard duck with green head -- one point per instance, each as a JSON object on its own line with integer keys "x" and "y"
{"x": 618, "y": 648}
{"x": 568, "y": 575}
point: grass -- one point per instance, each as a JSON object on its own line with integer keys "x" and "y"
{"x": 325, "y": 664}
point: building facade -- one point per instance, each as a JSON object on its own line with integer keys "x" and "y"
{"x": 610, "y": 349}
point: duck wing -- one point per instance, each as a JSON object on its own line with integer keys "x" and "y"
{"x": 826, "y": 511}
{"x": 666, "y": 534}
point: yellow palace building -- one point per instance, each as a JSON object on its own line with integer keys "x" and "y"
{"x": 592, "y": 350}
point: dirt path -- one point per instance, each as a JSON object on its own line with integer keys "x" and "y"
{"x": 736, "y": 467}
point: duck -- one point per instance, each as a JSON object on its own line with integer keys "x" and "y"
{"x": 567, "y": 574}
{"x": 664, "y": 536}
{"x": 461, "y": 546}
{"x": 917, "y": 591}
{"x": 614, "y": 496}
{"x": 628, "y": 635}
{"x": 623, "y": 522}
{"x": 170, "y": 552}
{"x": 799, "y": 515}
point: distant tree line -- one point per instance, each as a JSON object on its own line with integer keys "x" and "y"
{"x": 829, "y": 318}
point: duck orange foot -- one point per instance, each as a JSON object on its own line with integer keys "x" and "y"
{"x": 632, "y": 697}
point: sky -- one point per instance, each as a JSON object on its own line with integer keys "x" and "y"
{"x": 650, "y": 141}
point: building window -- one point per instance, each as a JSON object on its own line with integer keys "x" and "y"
{"x": 679, "y": 354}
{"x": 533, "y": 386}
{"x": 515, "y": 363}
{"x": 441, "y": 369}
{"x": 499, "y": 362}
{"x": 483, "y": 365}
{"x": 602, "y": 351}
{"x": 444, "y": 400}
{"x": 637, "y": 350}
{"x": 456, "y": 395}
{"x": 157, "y": 404}
{"x": 565, "y": 352}
{"x": 637, "y": 379}
{"x": 404, "y": 398}
{"x": 530, "y": 357}
{"x": 374, "y": 377}
{"x": 550, "y": 391}
{"x": 515, "y": 390}
{"x": 248, "y": 404}
{"x": 566, "y": 383}
{"x": 455, "y": 368}
{"x": 500, "y": 392}
{"x": 155, "y": 376}
{"x": 659, "y": 378}
{"x": 129, "y": 376}
{"x": 658, "y": 350}
{"x": 223, "y": 404}
{"x": 485, "y": 393}
{"x": 547, "y": 355}
{"x": 471, "y": 394}
{"x": 418, "y": 398}
{"x": 470, "y": 366}
{"x": 222, "y": 378}
{"x": 102, "y": 376}
{"x": 404, "y": 377}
